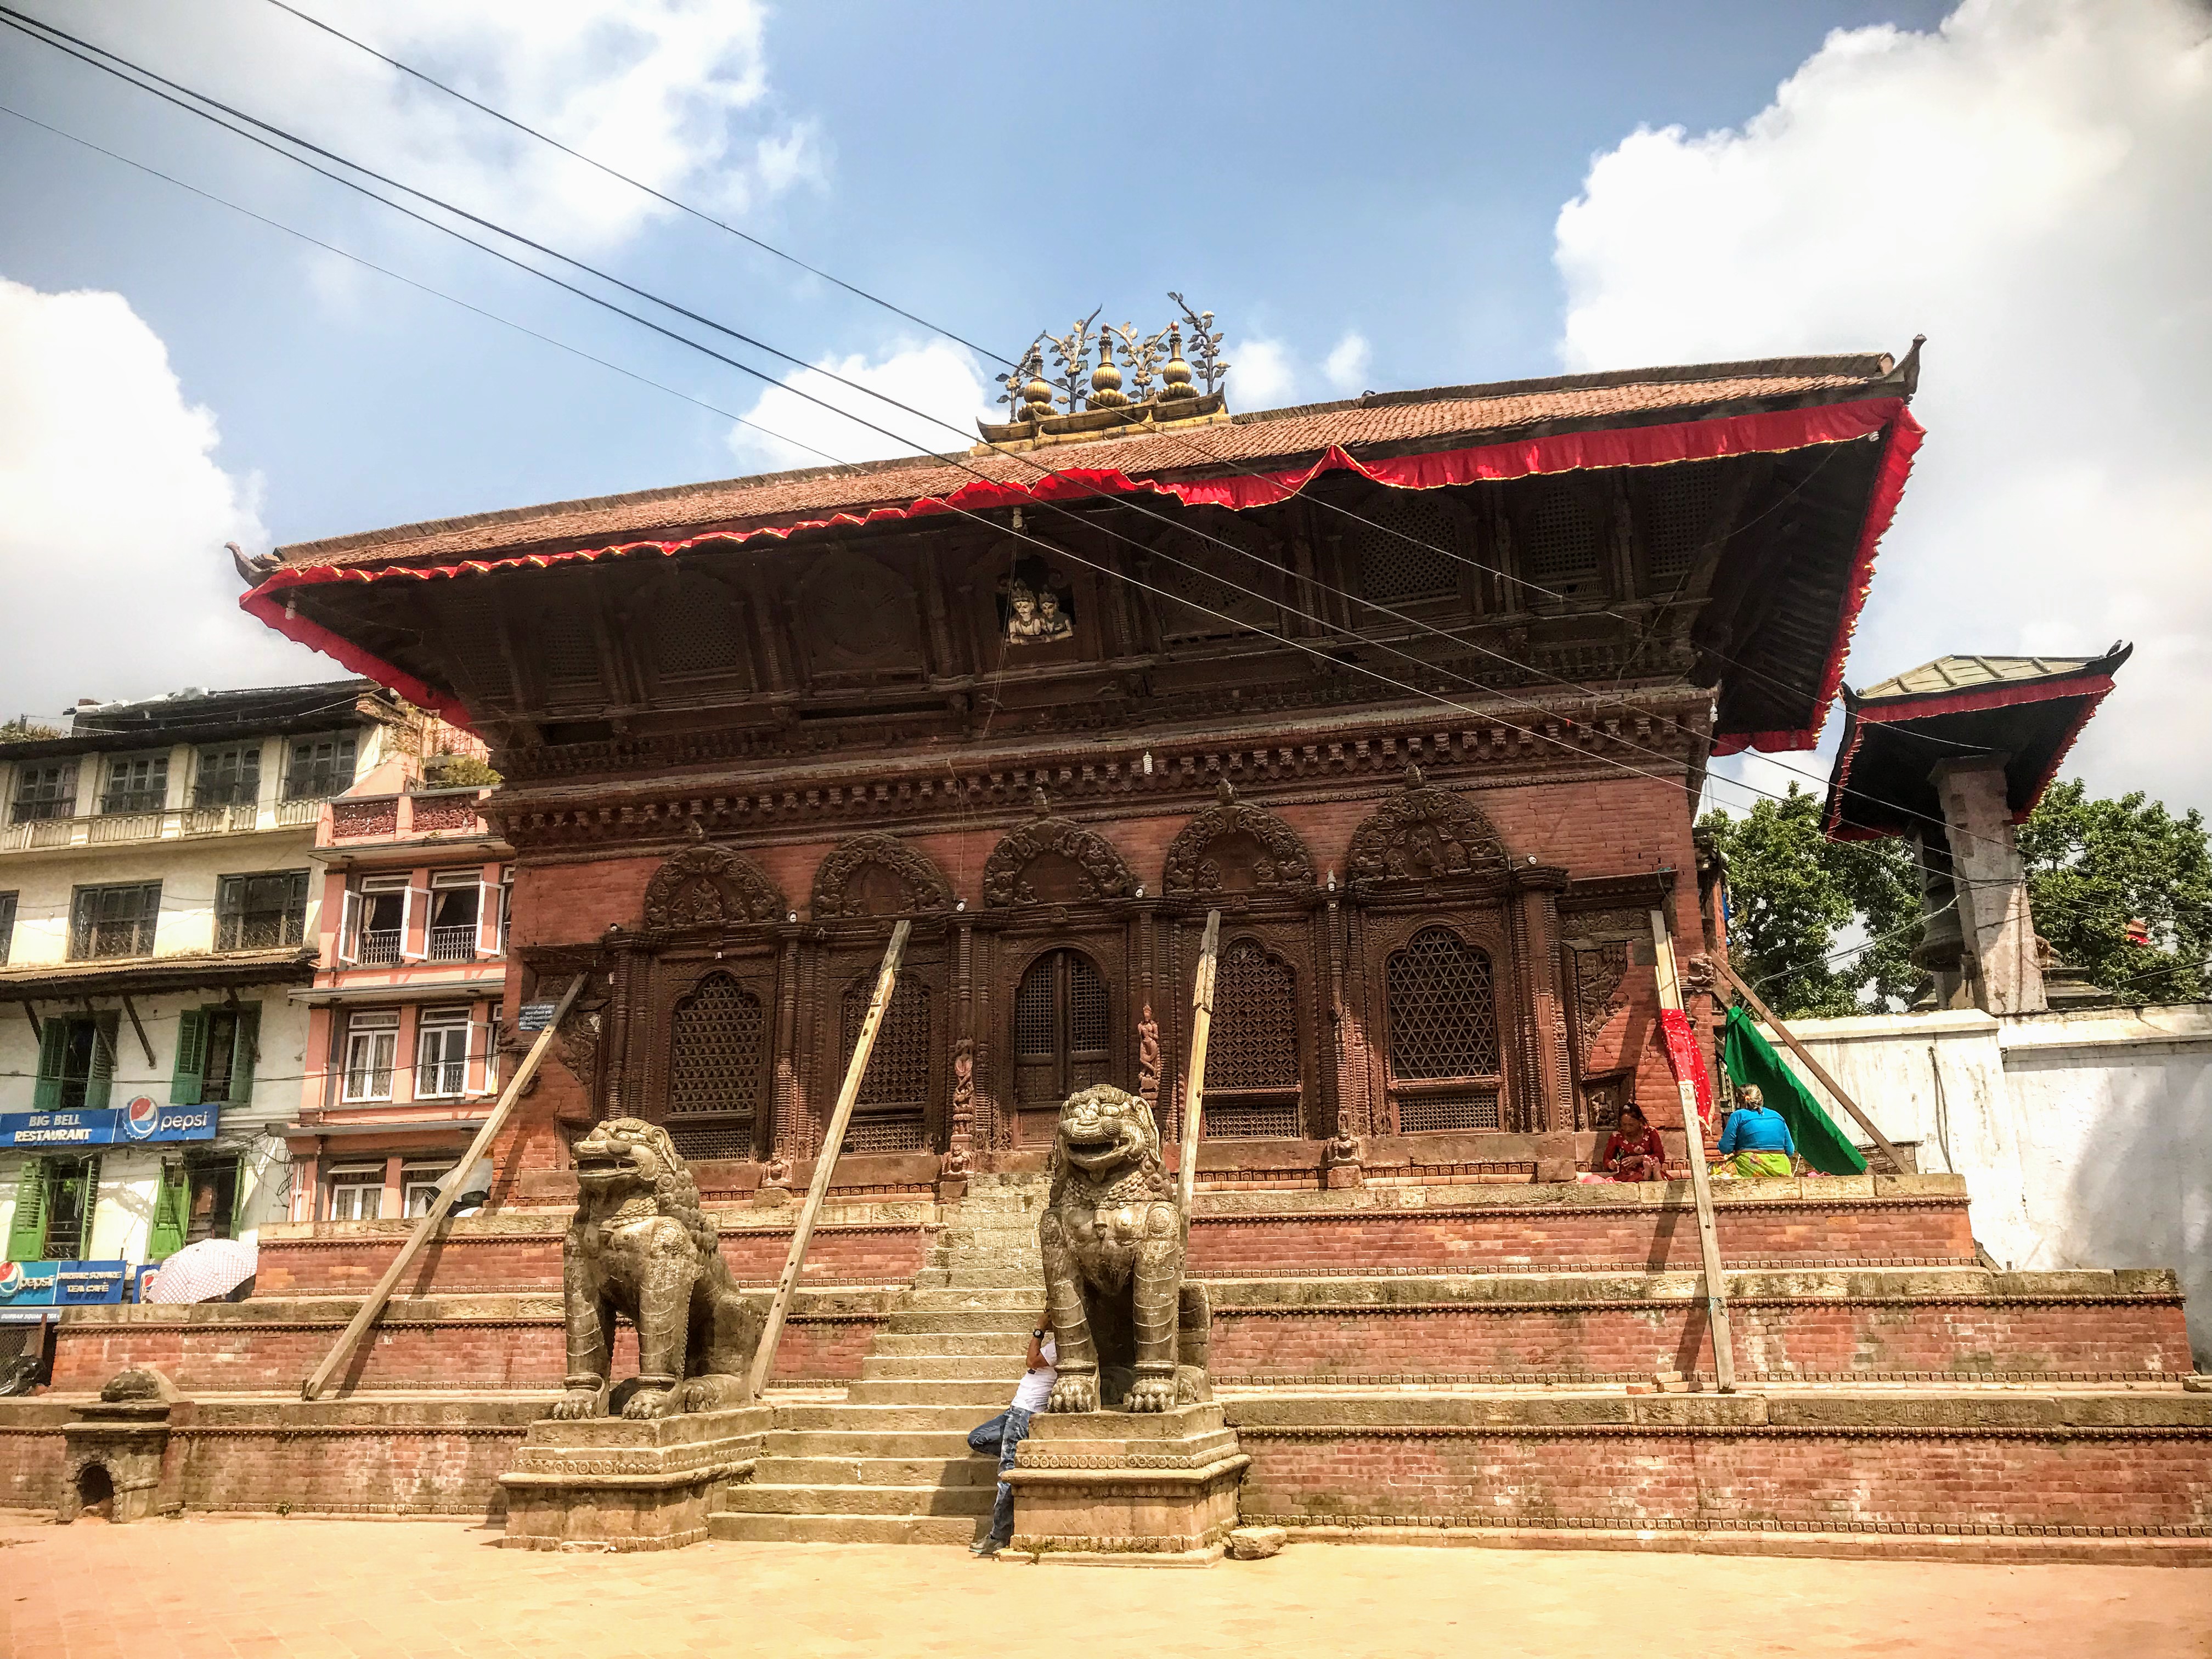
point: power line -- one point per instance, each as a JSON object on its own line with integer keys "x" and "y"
{"x": 18, "y": 21}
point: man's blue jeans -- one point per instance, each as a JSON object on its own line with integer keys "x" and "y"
{"x": 1004, "y": 1435}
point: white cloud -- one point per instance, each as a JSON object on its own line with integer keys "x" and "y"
{"x": 2031, "y": 186}
{"x": 112, "y": 517}
{"x": 940, "y": 379}
{"x": 1346, "y": 366}
{"x": 1262, "y": 374}
{"x": 674, "y": 92}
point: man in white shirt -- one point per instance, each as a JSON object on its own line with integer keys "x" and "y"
{"x": 1004, "y": 1433}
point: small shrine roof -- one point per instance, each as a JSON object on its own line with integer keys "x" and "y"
{"x": 2025, "y": 711}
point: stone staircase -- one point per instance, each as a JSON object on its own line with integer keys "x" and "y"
{"x": 889, "y": 1464}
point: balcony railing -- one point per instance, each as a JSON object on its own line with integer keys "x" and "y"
{"x": 368, "y": 1082}
{"x": 443, "y": 1080}
{"x": 290, "y": 814}
{"x": 377, "y": 947}
{"x": 105, "y": 829}
{"x": 454, "y": 943}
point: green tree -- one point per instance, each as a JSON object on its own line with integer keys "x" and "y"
{"x": 1792, "y": 891}
{"x": 2093, "y": 865}
{"x": 451, "y": 771}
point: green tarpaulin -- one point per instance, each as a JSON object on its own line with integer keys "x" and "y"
{"x": 1750, "y": 1058}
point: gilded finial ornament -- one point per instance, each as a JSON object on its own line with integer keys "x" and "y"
{"x": 1112, "y": 381}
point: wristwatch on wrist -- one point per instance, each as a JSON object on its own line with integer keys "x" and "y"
{"x": 1038, "y": 1333}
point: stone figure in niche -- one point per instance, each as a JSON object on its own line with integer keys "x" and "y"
{"x": 641, "y": 1247}
{"x": 1038, "y": 607}
{"x": 1131, "y": 1332}
{"x": 1148, "y": 1059}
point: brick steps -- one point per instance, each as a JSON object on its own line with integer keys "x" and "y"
{"x": 841, "y": 1529}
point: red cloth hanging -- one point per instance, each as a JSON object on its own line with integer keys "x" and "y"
{"x": 1689, "y": 1065}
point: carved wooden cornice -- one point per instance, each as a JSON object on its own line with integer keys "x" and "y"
{"x": 927, "y": 891}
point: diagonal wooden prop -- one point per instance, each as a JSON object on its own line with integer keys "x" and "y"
{"x": 1194, "y": 1080}
{"x": 1709, "y": 1237}
{"x": 373, "y": 1308}
{"x": 833, "y": 1137}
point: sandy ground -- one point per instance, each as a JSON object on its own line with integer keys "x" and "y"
{"x": 253, "y": 1587}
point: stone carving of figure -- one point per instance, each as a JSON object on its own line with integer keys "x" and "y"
{"x": 1148, "y": 1059}
{"x": 1053, "y": 623}
{"x": 1023, "y": 624}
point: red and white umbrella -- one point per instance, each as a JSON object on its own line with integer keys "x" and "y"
{"x": 206, "y": 1271}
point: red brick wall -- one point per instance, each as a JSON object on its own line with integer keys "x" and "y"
{"x": 33, "y": 1462}
{"x": 458, "y": 1355}
{"x": 1848, "y": 1481}
{"x": 369, "y": 1469}
{"x": 531, "y": 1261}
{"x": 1846, "y": 1232}
{"x": 1810, "y": 1338}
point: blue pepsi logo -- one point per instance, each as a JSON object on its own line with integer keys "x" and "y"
{"x": 11, "y": 1280}
{"x": 140, "y": 1117}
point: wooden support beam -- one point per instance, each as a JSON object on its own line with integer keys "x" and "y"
{"x": 1766, "y": 1014}
{"x": 1701, "y": 1185}
{"x": 141, "y": 1030}
{"x": 443, "y": 1204}
{"x": 825, "y": 1161}
{"x": 31, "y": 1012}
{"x": 1193, "y": 1077}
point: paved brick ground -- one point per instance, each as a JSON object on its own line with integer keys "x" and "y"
{"x": 326, "y": 1590}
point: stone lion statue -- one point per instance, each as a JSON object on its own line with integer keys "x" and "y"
{"x": 1130, "y": 1332}
{"x": 641, "y": 1246}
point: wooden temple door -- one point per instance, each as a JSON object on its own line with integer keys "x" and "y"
{"x": 1061, "y": 1039}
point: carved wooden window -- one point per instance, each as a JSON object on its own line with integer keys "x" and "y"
{"x": 568, "y": 647}
{"x": 693, "y": 627}
{"x": 1560, "y": 547}
{"x": 472, "y": 642}
{"x": 889, "y": 1114}
{"x": 1252, "y": 1057}
{"x": 1678, "y": 517}
{"x": 1442, "y": 1004}
{"x": 1405, "y": 549}
{"x": 1059, "y": 1029}
{"x": 714, "y": 1069}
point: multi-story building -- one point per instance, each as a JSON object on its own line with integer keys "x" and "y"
{"x": 402, "y": 1064}
{"x": 158, "y": 899}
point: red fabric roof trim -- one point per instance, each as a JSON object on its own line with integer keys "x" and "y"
{"x": 1899, "y": 447}
{"x": 1664, "y": 445}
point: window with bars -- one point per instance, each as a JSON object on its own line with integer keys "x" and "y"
{"x": 1678, "y": 517}
{"x": 44, "y": 791}
{"x": 442, "y": 1053}
{"x": 694, "y": 631}
{"x": 357, "y": 1193}
{"x": 1405, "y": 549}
{"x": 261, "y": 913}
{"x": 372, "y": 1050}
{"x": 714, "y": 1053}
{"x": 890, "y": 1113}
{"x": 1061, "y": 1025}
{"x": 318, "y": 767}
{"x": 1442, "y": 1000}
{"x": 456, "y": 913}
{"x": 1560, "y": 549}
{"x": 114, "y": 922}
{"x": 6, "y": 925}
{"x": 1252, "y": 1058}
{"x": 136, "y": 783}
{"x": 227, "y": 777}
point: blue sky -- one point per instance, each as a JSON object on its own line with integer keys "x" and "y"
{"x": 1385, "y": 183}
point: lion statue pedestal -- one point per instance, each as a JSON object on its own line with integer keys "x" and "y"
{"x": 638, "y": 1466}
{"x": 1132, "y": 1462}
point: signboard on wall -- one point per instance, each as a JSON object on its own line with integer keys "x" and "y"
{"x": 142, "y": 1118}
{"x": 29, "y": 1288}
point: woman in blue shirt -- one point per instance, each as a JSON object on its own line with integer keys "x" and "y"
{"x": 1757, "y": 1140}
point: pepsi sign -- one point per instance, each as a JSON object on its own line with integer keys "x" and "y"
{"x": 142, "y": 1118}
{"x": 61, "y": 1284}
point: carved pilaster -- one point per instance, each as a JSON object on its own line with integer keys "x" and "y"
{"x": 960, "y": 1131}
{"x": 1544, "y": 1017}
{"x": 784, "y": 1100}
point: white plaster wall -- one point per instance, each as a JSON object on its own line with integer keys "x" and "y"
{"x": 2086, "y": 1138}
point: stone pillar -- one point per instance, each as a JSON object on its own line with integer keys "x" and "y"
{"x": 1942, "y": 940}
{"x": 1536, "y": 939}
{"x": 1999, "y": 960}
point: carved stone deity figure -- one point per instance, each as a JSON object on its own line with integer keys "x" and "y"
{"x": 1148, "y": 1059}
{"x": 641, "y": 1246}
{"x": 1130, "y": 1331}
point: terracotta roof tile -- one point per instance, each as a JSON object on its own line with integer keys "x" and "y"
{"x": 1274, "y": 438}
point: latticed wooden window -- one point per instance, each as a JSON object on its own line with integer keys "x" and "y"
{"x": 888, "y": 1114}
{"x": 1443, "y": 1001}
{"x": 1561, "y": 535}
{"x": 695, "y": 633}
{"x": 1405, "y": 549}
{"x": 568, "y": 647}
{"x": 1059, "y": 1029}
{"x": 1678, "y": 516}
{"x": 713, "y": 1069}
{"x": 1252, "y": 1057}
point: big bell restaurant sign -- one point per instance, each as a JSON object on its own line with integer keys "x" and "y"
{"x": 27, "y": 1289}
{"x": 139, "y": 1119}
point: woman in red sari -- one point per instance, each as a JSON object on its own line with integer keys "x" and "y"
{"x": 1634, "y": 1152}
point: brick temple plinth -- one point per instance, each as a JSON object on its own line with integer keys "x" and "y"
{"x": 1127, "y": 1489}
{"x": 607, "y": 1483}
